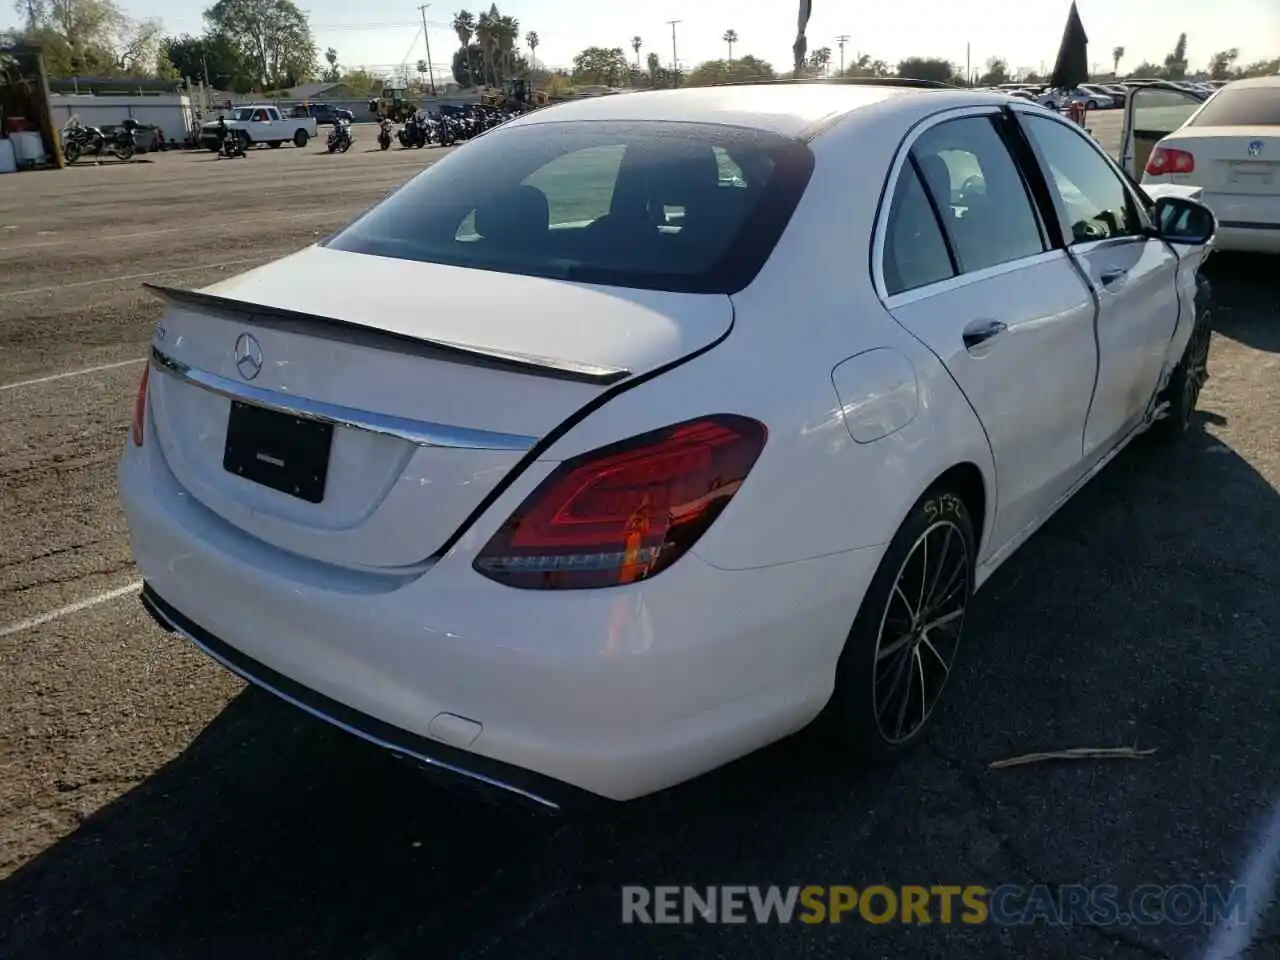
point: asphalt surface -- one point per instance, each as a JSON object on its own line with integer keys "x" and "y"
{"x": 152, "y": 807}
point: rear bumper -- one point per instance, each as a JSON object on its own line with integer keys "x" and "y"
{"x": 497, "y": 780}
{"x": 617, "y": 693}
{"x": 1247, "y": 237}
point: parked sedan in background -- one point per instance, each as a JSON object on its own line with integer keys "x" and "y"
{"x": 323, "y": 113}
{"x": 1228, "y": 147}
{"x": 671, "y": 506}
{"x": 1093, "y": 96}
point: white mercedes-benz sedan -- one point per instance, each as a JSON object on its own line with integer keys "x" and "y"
{"x": 643, "y": 431}
{"x": 1227, "y": 148}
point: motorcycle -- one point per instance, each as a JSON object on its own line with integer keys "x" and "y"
{"x": 340, "y": 138}
{"x": 414, "y": 132}
{"x": 384, "y": 134}
{"x": 78, "y": 140}
{"x": 235, "y": 143}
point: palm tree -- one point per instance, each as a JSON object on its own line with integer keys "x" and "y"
{"x": 531, "y": 38}
{"x": 730, "y": 37}
{"x": 508, "y": 36}
{"x": 464, "y": 26}
{"x": 636, "y": 43}
{"x": 1117, "y": 54}
{"x": 487, "y": 37}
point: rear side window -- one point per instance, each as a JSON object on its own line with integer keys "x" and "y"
{"x": 656, "y": 205}
{"x": 1241, "y": 107}
{"x": 986, "y": 209}
{"x": 915, "y": 252}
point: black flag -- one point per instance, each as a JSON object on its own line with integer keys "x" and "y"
{"x": 801, "y": 46}
{"x": 1072, "y": 68}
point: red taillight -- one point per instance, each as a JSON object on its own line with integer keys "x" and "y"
{"x": 625, "y": 512}
{"x": 1167, "y": 160}
{"x": 140, "y": 408}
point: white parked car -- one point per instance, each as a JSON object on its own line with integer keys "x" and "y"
{"x": 1093, "y": 98}
{"x": 727, "y": 401}
{"x": 1228, "y": 147}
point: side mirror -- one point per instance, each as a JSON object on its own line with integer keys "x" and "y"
{"x": 1179, "y": 220}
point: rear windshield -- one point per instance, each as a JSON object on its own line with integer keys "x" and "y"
{"x": 1242, "y": 107}
{"x": 657, "y": 205}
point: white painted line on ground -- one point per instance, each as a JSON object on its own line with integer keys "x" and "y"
{"x": 1233, "y": 937}
{"x": 70, "y": 608}
{"x": 128, "y": 276}
{"x": 69, "y": 373}
{"x": 113, "y": 238}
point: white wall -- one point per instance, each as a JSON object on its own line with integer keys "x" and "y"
{"x": 172, "y": 114}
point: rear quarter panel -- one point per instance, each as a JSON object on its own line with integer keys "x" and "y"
{"x": 814, "y": 491}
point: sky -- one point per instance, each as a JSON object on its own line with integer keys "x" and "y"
{"x": 385, "y": 33}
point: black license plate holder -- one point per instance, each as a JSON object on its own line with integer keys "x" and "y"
{"x": 278, "y": 450}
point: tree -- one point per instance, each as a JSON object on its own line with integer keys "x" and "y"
{"x": 361, "y": 82}
{"x": 464, "y": 27}
{"x": 1117, "y": 54}
{"x": 1261, "y": 68}
{"x": 90, "y": 38}
{"x": 925, "y": 68}
{"x": 1175, "y": 64}
{"x": 192, "y": 56}
{"x": 606, "y": 65}
{"x": 464, "y": 61}
{"x": 864, "y": 66}
{"x": 730, "y": 37}
{"x": 636, "y": 44}
{"x": 533, "y": 40}
{"x": 331, "y": 73}
{"x": 747, "y": 69}
{"x": 273, "y": 38}
{"x": 1147, "y": 70}
{"x": 1222, "y": 62}
{"x": 819, "y": 61}
{"x": 997, "y": 73}
{"x": 497, "y": 35}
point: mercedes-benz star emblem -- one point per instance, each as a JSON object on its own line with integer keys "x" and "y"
{"x": 248, "y": 356}
{"x": 1255, "y": 148}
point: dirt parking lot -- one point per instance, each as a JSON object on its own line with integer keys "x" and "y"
{"x": 152, "y": 807}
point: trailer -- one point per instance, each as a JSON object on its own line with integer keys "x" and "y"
{"x": 172, "y": 114}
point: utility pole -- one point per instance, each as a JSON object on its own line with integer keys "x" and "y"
{"x": 675, "y": 63}
{"x": 431, "y": 73}
{"x": 968, "y": 69}
{"x": 841, "y": 41}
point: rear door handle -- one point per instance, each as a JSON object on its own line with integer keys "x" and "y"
{"x": 1114, "y": 276}
{"x": 980, "y": 331}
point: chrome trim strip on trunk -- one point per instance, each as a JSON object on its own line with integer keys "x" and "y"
{"x": 419, "y": 432}
{"x": 279, "y": 318}
{"x": 176, "y": 630}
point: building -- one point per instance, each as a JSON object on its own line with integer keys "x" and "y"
{"x": 314, "y": 91}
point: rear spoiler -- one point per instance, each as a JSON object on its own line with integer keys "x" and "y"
{"x": 278, "y": 318}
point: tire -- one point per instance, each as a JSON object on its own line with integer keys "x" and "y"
{"x": 1182, "y": 392}
{"x": 890, "y": 655}
{"x": 384, "y": 144}
{"x": 274, "y": 144}
{"x": 300, "y": 138}
{"x": 1092, "y": 105}
{"x": 125, "y": 151}
{"x": 71, "y": 152}
{"x": 331, "y": 147}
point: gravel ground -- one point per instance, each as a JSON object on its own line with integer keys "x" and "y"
{"x": 153, "y": 807}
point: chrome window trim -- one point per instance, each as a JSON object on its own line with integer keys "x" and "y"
{"x": 886, "y": 204}
{"x": 421, "y": 433}
{"x": 965, "y": 279}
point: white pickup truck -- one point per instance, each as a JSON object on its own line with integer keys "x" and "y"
{"x": 260, "y": 123}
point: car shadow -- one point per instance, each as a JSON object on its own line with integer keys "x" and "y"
{"x": 1246, "y": 302}
{"x": 1138, "y": 614}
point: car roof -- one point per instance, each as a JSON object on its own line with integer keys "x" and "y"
{"x": 1266, "y": 82}
{"x": 793, "y": 109}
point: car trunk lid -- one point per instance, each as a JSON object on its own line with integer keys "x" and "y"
{"x": 434, "y": 381}
{"x": 1241, "y": 161}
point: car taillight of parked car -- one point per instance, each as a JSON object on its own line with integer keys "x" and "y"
{"x": 625, "y": 512}
{"x": 140, "y": 407}
{"x": 1167, "y": 160}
